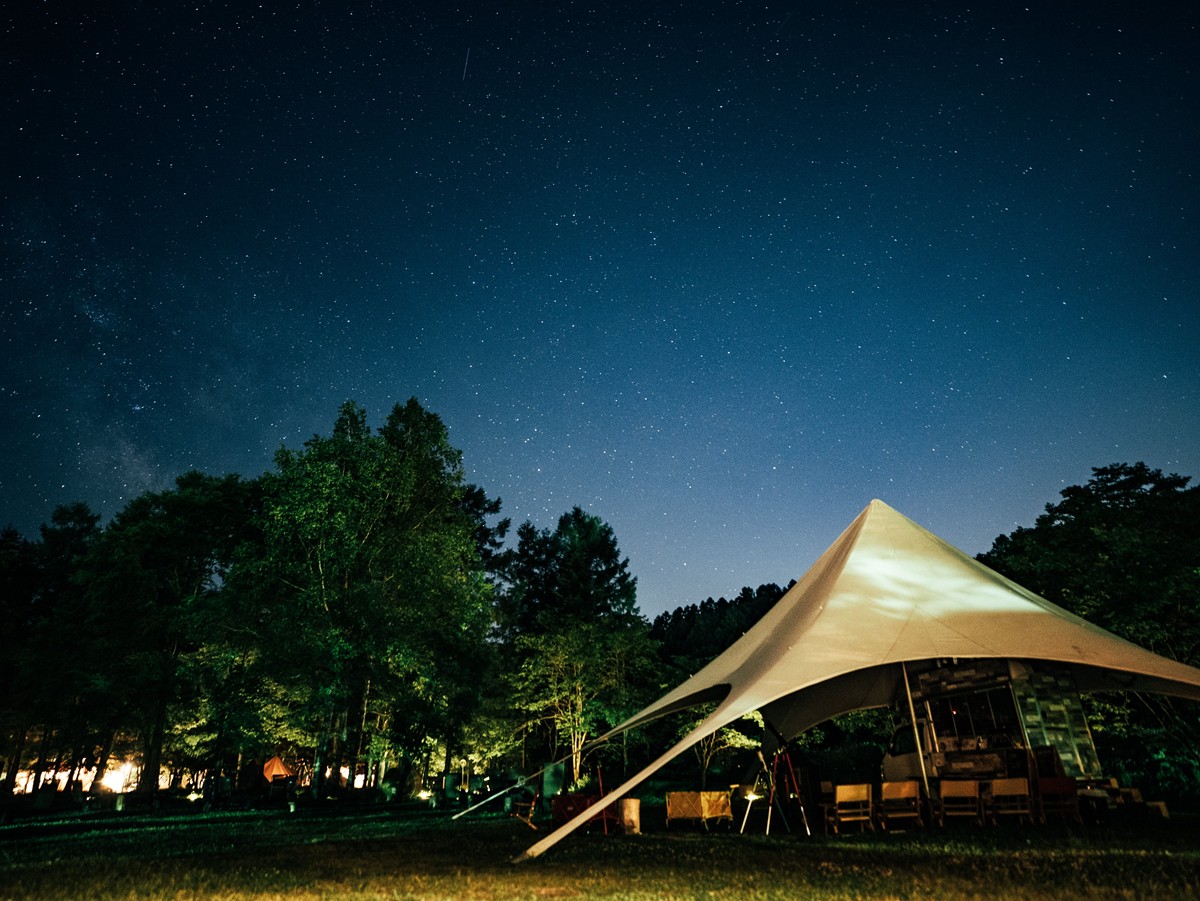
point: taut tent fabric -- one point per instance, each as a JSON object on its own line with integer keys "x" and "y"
{"x": 276, "y": 768}
{"x": 888, "y": 592}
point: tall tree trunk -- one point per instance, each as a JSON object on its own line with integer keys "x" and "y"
{"x": 356, "y": 721}
{"x": 446, "y": 767}
{"x": 577, "y": 742}
{"x": 153, "y": 746}
{"x": 148, "y": 784}
{"x": 105, "y": 753}
{"x": 325, "y": 757}
{"x": 43, "y": 750}
{"x": 76, "y": 763}
{"x": 317, "y": 786}
{"x": 14, "y": 763}
{"x": 404, "y": 776}
{"x": 60, "y": 764}
{"x": 337, "y": 747}
{"x": 362, "y": 734}
{"x": 318, "y": 774}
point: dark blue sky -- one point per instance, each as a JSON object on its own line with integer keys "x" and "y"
{"x": 718, "y": 273}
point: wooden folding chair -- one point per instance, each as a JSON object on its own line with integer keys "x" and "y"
{"x": 959, "y": 798}
{"x": 702, "y": 806}
{"x": 1011, "y": 797}
{"x": 826, "y": 798}
{"x": 899, "y": 803}
{"x": 523, "y": 809}
{"x": 851, "y": 806}
{"x": 683, "y": 805}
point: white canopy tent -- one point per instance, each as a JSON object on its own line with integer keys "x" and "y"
{"x": 886, "y": 593}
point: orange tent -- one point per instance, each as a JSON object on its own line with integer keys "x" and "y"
{"x": 275, "y": 768}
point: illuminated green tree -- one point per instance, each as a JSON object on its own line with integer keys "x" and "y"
{"x": 572, "y": 680}
{"x": 745, "y": 734}
{"x": 372, "y": 580}
{"x": 578, "y": 648}
{"x": 1123, "y": 551}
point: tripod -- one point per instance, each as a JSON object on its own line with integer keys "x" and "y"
{"x": 781, "y": 767}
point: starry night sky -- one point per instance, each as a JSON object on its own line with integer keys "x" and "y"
{"x": 719, "y": 273}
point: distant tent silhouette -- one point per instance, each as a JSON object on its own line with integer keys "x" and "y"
{"x": 275, "y": 768}
{"x": 887, "y": 593}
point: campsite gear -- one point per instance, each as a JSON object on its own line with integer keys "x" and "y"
{"x": 699, "y": 806}
{"x": 887, "y": 593}
{"x": 852, "y": 805}
{"x": 899, "y": 802}
{"x": 523, "y": 809}
{"x": 958, "y": 798}
{"x": 772, "y": 798}
{"x": 1010, "y": 797}
{"x": 750, "y": 795}
{"x": 631, "y": 816}
{"x": 791, "y": 783}
{"x": 275, "y": 768}
{"x": 551, "y": 780}
{"x": 990, "y": 719}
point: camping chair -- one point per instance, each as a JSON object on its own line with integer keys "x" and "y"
{"x": 702, "y": 806}
{"x": 959, "y": 798}
{"x": 1058, "y": 798}
{"x": 524, "y": 808}
{"x": 1011, "y": 798}
{"x": 900, "y": 802}
{"x": 851, "y": 804}
{"x": 826, "y": 797}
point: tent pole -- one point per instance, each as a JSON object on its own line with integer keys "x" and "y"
{"x": 540, "y": 847}
{"x": 600, "y": 779}
{"x": 491, "y": 797}
{"x": 912, "y": 712}
{"x": 524, "y": 780}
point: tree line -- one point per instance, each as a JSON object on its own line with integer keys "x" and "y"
{"x": 1123, "y": 551}
{"x": 355, "y": 610}
{"x": 362, "y": 611}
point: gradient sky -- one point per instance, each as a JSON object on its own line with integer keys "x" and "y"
{"x": 719, "y": 273}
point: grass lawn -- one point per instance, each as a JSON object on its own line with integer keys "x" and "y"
{"x": 398, "y": 853}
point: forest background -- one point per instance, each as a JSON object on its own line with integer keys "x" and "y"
{"x": 360, "y": 612}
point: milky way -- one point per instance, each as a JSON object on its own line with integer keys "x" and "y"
{"x": 718, "y": 273}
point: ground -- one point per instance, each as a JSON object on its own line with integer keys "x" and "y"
{"x": 400, "y": 853}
